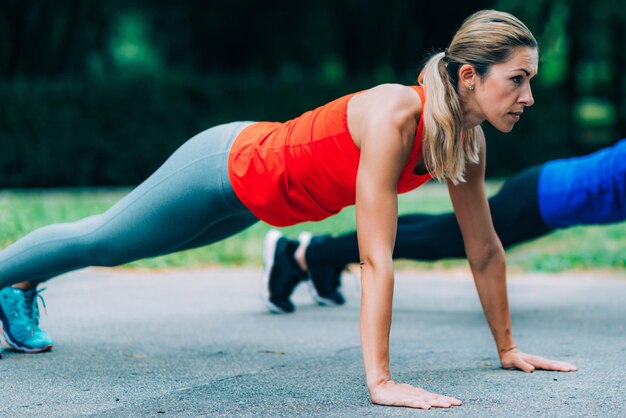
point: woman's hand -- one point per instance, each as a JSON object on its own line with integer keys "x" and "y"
{"x": 515, "y": 359}
{"x": 400, "y": 394}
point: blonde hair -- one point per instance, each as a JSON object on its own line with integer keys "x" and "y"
{"x": 485, "y": 38}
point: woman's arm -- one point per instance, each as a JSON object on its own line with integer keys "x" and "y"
{"x": 487, "y": 262}
{"x": 386, "y": 131}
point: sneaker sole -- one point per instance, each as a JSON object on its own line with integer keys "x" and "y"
{"x": 322, "y": 301}
{"x": 269, "y": 250}
{"x": 16, "y": 346}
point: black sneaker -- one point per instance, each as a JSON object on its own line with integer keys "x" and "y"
{"x": 281, "y": 275}
{"x": 325, "y": 280}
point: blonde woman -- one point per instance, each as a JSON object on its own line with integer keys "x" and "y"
{"x": 361, "y": 149}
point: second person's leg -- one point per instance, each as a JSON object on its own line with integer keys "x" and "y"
{"x": 423, "y": 237}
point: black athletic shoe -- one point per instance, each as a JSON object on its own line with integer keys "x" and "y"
{"x": 281, "y": 274}
{"x": 325, "y": 280}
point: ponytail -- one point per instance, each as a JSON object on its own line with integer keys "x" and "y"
{"x": 445, "y": 145}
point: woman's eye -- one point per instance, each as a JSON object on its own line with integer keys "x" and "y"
{"x": 517, "y": 79}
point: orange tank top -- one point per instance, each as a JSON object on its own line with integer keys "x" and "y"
{"x": 305, "y": 169}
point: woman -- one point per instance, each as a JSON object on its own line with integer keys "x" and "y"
{"x": 363, "y": 148}
{"x": 587, "y": 190}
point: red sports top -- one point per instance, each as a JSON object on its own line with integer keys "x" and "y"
{"x": 305, "y": 169}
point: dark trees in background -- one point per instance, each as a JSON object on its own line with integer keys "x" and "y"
{"x": 56, "y": 38}
{"x": 89, "y": 88}
{"x": 48, "y": 38}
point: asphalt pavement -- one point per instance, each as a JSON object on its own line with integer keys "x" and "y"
{"x": 200, "y": 343}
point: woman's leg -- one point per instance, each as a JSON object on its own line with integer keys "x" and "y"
{"x": 19, "y": 311}
{"x": 186, "y": 197}
{"x": 419, "y": 237}
{"x": 514, "y": 210}
{"x": 220, "y": 231}
{"x": 515, "y": 214}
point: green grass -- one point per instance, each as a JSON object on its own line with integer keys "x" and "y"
{"x": 575, "y": 248}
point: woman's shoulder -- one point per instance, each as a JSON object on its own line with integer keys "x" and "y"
{"x": 394, "y": 91}
{"x": 394, "y": 97}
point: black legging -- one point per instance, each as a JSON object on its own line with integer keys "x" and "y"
{"x": 514, "y": 210}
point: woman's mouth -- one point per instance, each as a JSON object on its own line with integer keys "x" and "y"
{"x": 515, "y": 115}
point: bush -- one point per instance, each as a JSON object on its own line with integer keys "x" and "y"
{"x": 116, "y": 131}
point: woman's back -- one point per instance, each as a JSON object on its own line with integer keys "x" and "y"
{"x": 305, "y": 169}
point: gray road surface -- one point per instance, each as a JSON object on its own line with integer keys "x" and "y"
{"x": 199, "y": 343}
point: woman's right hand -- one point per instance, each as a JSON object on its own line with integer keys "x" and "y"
{"x": 400, "y": 394}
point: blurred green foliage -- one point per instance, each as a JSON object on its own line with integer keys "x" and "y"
{"x": 99, "y": 93}
{"x": 115, "y": 131}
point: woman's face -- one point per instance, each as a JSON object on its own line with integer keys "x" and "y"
{"x": 504, "y": 92}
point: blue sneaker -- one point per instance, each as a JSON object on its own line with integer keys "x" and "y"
{"x": 19, "y": 313}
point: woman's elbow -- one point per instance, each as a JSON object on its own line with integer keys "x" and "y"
{"x": 376, "y": 265}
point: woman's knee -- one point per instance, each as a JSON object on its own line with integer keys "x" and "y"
{"x": 97, "y": 247}
{"x": 103, "y": 254}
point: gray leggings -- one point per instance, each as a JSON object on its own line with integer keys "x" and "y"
{"x": 187, "y": 203}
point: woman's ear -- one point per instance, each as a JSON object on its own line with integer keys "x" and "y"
{"x": 467, "y": 77}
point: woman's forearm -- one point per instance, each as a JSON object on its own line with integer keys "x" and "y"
{"x": 377, "y": 297}
{"x": 490, "y": 279}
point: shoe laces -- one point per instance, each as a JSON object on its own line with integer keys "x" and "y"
{"x": 30, "y": 307}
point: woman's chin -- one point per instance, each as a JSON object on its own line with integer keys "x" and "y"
{"x": 505, "y": 128}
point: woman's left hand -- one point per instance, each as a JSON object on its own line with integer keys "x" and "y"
{"x": 515, "y": 359}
